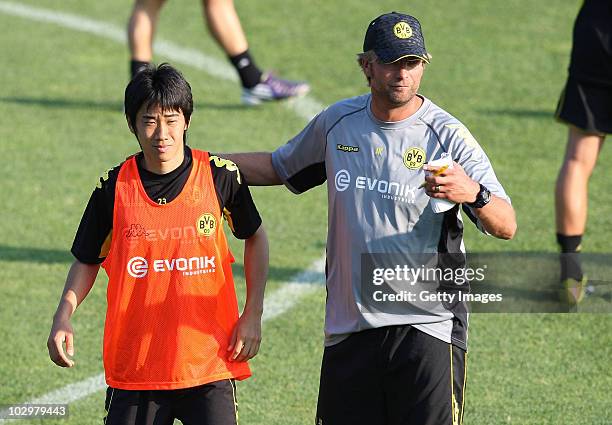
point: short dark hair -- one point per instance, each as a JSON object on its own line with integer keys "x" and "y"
{"x": 163, "y": 85}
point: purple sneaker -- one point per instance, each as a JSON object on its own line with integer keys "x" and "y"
{"x": 273, "y": 88}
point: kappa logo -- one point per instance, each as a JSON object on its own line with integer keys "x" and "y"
{"x": 414, "y": 158}
{"x": 206, "y": 224}
{"x": 136, "y": 231}
{"x": 455, "y": 409}
{"x": 221, "y": 162}
{"x": 103, "y": 178}
{"x": 346, "y": 148}
{"x": 402, "y": 30}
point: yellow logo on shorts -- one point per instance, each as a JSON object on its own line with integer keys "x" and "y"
{"x": 455, "y": 409}
{"x": 414, "y": 158}
{"x": 402, "y": 30}
{"x": 206, "y": 224}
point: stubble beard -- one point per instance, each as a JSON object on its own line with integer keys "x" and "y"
{"x": 399, "y": 99}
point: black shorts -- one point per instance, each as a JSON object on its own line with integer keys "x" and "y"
{"x": 394, "y": 375}
{"x": 210, "y": 404}
{"x": 591, "y": 57}
{"x": 586, "y": 100}
{"x": 587, "y": 106}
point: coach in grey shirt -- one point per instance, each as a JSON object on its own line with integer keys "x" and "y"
{"x": 389, "y": 367}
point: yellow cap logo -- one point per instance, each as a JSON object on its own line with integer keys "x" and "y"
{"x": 402, "y": 30}
{"x": 206, "y": 224}
{"x": 414, "y": 158}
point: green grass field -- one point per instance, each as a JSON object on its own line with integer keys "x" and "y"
{"x": 497, "y": 65}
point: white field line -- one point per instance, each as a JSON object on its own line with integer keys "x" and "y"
{"x": 289, "y": 293}
{"x": 305, "y": 107}
{"x": 276, "y": 303}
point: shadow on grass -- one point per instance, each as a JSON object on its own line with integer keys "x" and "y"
{"x": 35, "y": 255}
{"x": 56, "y": 256}
{"x": 65, "y": 103}
{"x": 520, "y": 113}
{"x": 101, "y": 105}
{"x": 529, "y": 281}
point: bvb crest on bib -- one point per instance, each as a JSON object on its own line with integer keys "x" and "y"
{"x": 206, "y": 224}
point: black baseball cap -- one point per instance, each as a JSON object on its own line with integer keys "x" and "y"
{"x": 394, "y": 36}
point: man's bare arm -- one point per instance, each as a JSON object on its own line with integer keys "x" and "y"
{"x": 79, "y": 282}
{"x": 497, "y": 217}
{"x": 256, "y": 167}
{"x": 246, "y": 337}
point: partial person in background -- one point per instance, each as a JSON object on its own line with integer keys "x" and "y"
{"x": 585, "y": 106}
{"x": 224, "y": 25}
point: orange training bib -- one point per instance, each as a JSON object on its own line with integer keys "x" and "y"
{"x": 171, "y": 299}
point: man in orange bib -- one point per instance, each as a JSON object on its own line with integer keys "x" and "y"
{"x": 173, "y": 340}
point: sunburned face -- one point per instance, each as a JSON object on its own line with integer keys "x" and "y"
{"x": 160, "y": 134}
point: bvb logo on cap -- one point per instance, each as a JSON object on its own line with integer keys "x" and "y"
{"x": 402, "y": 30}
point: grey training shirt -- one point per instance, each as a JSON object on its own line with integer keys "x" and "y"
{"x": 373, "y": 171}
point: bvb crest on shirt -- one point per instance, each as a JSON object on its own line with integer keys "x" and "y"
{"x": 206, "y": 224}
{"x": 414, "y": 158}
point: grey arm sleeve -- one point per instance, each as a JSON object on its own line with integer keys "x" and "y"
{"x": 300, "y": 163}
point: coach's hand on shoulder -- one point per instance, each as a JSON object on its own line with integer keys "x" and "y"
{"x": 452, "y": 184}
{"x": 246, "y": 338}
{"x": 61, "y": 332}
